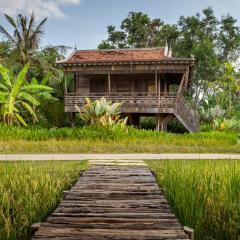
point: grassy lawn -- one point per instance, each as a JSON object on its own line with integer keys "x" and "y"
{"x": 29, "y": 191}
{"x": 204, "y": 194}
{"x": 100, "y": 140}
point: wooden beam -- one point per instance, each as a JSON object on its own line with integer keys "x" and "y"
{"x": 109, "y": 83}
{"x": 181, "y": 83}
{"x": 156, "y": 83}
{"x": 65, "y": 84}
{"x": 165, "y": 86}
{"x": 186, "y": 79}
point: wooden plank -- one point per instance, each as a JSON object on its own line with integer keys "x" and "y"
{"x": 113, "y": 203}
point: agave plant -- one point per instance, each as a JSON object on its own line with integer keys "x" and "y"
{"x": 101, "y": 112}
{"x": 19, "y": 98}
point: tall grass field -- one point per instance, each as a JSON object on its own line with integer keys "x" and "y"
{"x": 205, "y": 195}
{"x": 29, "y": 191}
{"x": 92, "y": 139}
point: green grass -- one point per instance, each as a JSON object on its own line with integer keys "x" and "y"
{"x": 29, "y": 191}
{"x": 105, "y": 140}
{"x": 204, "y": 194}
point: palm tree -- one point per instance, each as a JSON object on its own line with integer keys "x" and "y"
{"x": 25, "y": 45}
{"x": 19, "y": 98}
{"x": 26, "y": 37}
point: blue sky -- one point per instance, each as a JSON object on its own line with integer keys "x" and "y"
{"x": 84, "y": 22}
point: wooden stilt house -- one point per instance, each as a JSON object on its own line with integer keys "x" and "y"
{"x": 149, "y": 82}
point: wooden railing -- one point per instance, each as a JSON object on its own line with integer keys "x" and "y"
{"x": 180, "y": 107}
{"x": 136, "y": 98}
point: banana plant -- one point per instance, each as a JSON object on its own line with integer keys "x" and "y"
{"x": 101, "y": 112}
{"x": 19, "y": 98}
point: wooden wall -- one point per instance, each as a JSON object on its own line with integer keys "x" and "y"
{"x": 125, "y": 83}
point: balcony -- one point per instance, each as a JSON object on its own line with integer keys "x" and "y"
{"x": 143, "y": 103}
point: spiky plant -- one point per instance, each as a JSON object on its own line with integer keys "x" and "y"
{"x": 101, "y": 112}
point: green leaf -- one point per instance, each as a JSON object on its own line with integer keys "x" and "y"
{"x": 38, "y": 87}
{"x": 29, "y": 98}
{"x": 34, "y": 81}
{"x": 29, "y": 109}
{"x": 20, "y": 119}
{"x": 47, "y": 96}
{"x": 19, "y": 81}
{"x": 46, "y": 79}
{"x": 2, "y": 86}
{"x": 6, "y": 75}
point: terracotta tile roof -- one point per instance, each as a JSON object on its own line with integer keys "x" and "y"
{"x": 116, "y": 55}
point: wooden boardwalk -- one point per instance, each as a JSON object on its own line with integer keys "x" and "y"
{"x": 113, "y": 203}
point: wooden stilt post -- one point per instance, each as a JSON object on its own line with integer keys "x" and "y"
{"x": 109, "y": 83}
{"x": 156, "y": 83}
{"x": 65, "y": 85}
{"x": 159, "y": 126}
{"x": 165, "y": 86}
{"x": 72, "y": 120}
{"x": 159, "y": 88}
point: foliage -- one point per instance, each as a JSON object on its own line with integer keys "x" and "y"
{"x": 209, "y": 114}
{"x": 19, "y": 98}
{"x": 24, "y": 45}
{"x": 232, "y": 124}
{"x": 204, "y": 195}
{"x": 112, "y": 140}
{"x": 101, "y": 113}
{"x": 211, "y": 41}
{"x": 30, "y": 191}
{"x": 224, "y": 92}
{"x": 137, "y": 31}
{"x": 26, "y": 36}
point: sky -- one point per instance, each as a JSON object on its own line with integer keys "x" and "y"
{"x": 84, "y": 22}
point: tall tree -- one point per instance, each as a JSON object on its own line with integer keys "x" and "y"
{"x": 26, "y": 37}
{"x": 211, "y": 41}
{"x": 137, "y": 30}
{"x": 25, "y": 46}
{"x": 197, "y": 37}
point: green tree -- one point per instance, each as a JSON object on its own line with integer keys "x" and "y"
{"x": 19, "y": 98}
{"x": 136, "y": 31}
{"x": 25, "y": 46}
{"x": 225, "y": 91}
{"x": 197, "y": 37}
{"x": 26, "y": 37}
{"x": 211, "y": 41}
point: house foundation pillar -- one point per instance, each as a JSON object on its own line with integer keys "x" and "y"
{"x": 72, "y": 119}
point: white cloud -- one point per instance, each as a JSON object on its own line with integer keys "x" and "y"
{"x": 42, "y": 8}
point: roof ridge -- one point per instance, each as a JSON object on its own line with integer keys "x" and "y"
{"x": 121, "y": 49}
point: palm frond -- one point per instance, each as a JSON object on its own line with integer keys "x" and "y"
{"x": 6, "y": 34}
{"x": 31, "y": 24}
{"x": 10, "y": 20}
{"x": 37, "y": 32}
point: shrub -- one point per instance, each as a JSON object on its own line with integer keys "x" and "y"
{"x": 101, "y": 113}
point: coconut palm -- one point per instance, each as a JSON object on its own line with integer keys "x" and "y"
{"x": 25, "y": 38}
{"x": 25, "y": 44}
{"x": 19, "y": 98}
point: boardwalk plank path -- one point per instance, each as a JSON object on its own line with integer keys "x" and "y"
{"x": 113, "y": 203}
